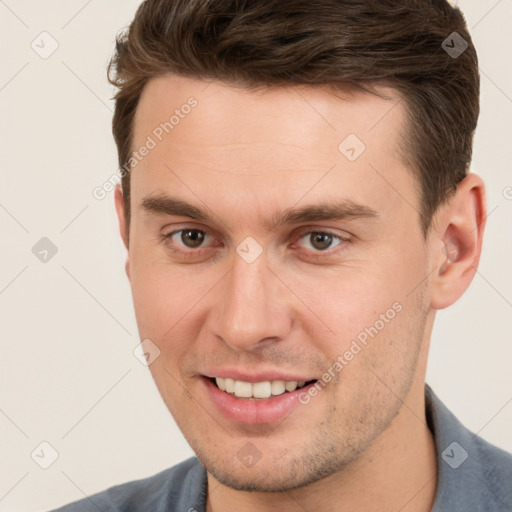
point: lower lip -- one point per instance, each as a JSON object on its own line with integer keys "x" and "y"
{"x": 242, "y": 410}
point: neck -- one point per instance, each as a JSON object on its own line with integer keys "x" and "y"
{"x": 398, "y": 472}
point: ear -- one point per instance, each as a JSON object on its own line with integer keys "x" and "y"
{"x": 457, "y": 241}
{"x": 123, "y": 224}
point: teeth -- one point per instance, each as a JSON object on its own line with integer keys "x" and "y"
{"x": 278, "y": 387}
{"x": 230, "y": 385}
{"x": 291, "y": 386}
{"x": 243, "y": 389}
{"x": 260, "y": 390}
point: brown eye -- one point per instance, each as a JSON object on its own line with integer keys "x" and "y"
{"x": 322, "y": 245}
{"x": 320, "y": 241}
{"x": 192, "y": 238}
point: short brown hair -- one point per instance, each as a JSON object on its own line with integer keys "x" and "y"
{"x": 362, "y": 43}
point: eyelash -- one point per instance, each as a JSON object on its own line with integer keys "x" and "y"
{"x": 167, "y": 240}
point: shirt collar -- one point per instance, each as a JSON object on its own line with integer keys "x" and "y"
{"x": 463, "y": 479}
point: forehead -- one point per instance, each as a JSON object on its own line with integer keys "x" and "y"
{"x": 268, "y": 143}
{"x": 312, "y": 114}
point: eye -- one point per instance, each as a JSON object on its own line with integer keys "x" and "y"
{"x": 189, "y": 238}
{"x": 321, "y": 240}
{"x": 188, "y": 241}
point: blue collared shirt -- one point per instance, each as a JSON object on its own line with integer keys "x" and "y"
{"x": 473, "y": 476}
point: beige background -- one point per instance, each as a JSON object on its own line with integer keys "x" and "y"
{"x": 68, "y": 374}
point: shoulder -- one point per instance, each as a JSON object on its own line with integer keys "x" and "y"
{"x": 181, "y": 487}
{"x": 495, "y": 466}
{"x": 473, "y": 474}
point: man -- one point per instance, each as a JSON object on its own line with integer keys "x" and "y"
{"x": 296, "y": 207}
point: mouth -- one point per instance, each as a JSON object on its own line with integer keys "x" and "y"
{"x": 257, "y": 399}
{"x": 257, "y": 390}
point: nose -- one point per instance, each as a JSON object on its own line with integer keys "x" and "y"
{"x": 254, "y": 309}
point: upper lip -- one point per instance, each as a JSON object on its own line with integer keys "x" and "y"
{"x": 270, "y": 375}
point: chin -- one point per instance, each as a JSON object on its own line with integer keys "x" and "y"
{"x": 278, "y": 473}
{"x": 261, "y": 481}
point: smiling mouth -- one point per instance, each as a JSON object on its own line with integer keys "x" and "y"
{"x": 257, "y": 390}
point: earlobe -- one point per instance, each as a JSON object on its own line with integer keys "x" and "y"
{"x": 123, "y": 225}
{"x": 457, "y": 254}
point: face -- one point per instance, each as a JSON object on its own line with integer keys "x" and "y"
{"x": 270, "y": 251}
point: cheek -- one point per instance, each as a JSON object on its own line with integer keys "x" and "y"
{"x": 162, "y": 294}
{"x": 361, "y": 299}
{"x": 346, "y": 299}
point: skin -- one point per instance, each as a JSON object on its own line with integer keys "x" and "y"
{"x": 362, "y": 443}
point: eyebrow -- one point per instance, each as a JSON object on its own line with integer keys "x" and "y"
{"x": 342, "y": 210}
